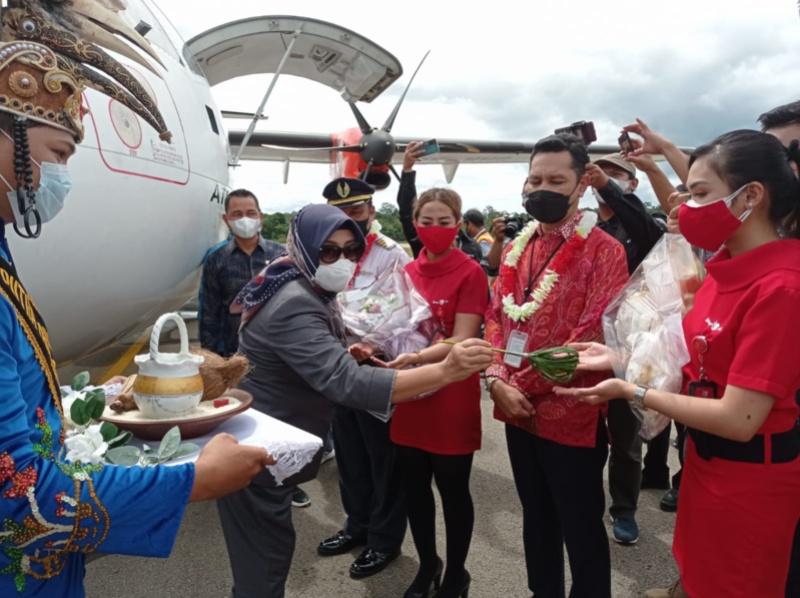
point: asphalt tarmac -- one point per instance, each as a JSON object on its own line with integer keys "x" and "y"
{"x": 199, "y": 567}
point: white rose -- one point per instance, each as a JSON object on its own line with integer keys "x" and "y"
{"x": 66, "y": 405}
{"x": 88, "y": 447}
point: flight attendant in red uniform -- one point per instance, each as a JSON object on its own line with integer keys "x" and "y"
{"x": 740, "y": 494}
{"x": 437, "y": 440}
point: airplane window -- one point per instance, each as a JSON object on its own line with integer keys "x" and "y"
{"x": 213, "y": 120}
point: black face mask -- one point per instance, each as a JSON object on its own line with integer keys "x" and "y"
{"x": 364, "y": 226}
{"x": 546, "y": 206}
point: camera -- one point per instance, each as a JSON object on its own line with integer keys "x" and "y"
{"x": 514, "y": 223}
{"x": 583, "y": 130}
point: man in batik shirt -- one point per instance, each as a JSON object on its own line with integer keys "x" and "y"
{"x": 556, "y": 279}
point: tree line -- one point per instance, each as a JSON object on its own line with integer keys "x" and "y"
{"x": 276, "y": 226}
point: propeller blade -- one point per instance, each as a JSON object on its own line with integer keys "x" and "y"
{"x": 390, "y": 121}
{"x": 394, "y": 172}
{"x": 338, "y": 148}
{"x": 362, "y": 122}
{"x": 365, "y": 174}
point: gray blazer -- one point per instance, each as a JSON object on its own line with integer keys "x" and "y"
{"x": 301, "y": 369}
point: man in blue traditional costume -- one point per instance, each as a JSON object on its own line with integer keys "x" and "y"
{"x": 55, "y": 512}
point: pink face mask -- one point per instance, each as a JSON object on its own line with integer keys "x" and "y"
{"x": 709, "y": 225}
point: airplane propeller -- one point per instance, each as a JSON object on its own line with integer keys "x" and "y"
{"x": 376, "y": 147}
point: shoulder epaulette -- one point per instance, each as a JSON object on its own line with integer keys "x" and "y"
{"x": 385, "y": 242}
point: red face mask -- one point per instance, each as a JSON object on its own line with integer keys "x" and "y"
{"x": 437, "y": 239}
{"x": 709, "y": 225}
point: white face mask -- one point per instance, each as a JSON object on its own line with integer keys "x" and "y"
{"x": 245, "y": 228}
{"x": 623, "y": 184}
{"x": 336, "y": 276}
{"x": 55, "y": 183}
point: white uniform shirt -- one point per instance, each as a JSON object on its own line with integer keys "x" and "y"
{"x": 383, "y": 253}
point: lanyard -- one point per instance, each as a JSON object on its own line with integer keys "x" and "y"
{"x": 532, "y": 279}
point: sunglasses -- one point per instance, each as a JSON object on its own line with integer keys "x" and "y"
{"x": 330, "y": 253}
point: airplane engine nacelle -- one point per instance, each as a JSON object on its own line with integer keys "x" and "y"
{"x": 350, "y": 164}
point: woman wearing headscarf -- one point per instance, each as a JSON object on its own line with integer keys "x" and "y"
{"x": 293, "y": 336}
{"x": 740, "y": 489}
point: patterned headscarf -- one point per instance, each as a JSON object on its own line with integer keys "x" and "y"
{"x": 309, "y": 229}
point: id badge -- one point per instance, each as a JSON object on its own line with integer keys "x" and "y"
{"x": 517, "y": 343}
{"x": 703, "y": 389}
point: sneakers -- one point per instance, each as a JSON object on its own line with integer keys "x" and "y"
{"x": 625, "y": 530}
{"x": 673, "y": 591}
{"x": 300, "y": 498}
{"x": 669, "y": 502}
{"x": 327, "y": 456}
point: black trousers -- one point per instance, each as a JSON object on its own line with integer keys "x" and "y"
{"x": 369, "y": 481}
{"x": 655, "y": 461}
{"x": 625, "y": 460}
{"x": 563, "y": 502}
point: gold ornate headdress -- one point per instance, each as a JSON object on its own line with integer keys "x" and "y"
{"x": 51, "y": 50}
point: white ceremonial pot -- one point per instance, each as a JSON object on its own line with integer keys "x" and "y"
{"x": 169, "y": 385}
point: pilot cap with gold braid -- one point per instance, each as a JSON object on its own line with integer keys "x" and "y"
{"x": 50, "y": 51}
{"x": 344, "y": 192}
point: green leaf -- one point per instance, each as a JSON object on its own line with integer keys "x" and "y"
{"x": 96, "y": 405}
{"x": 187, "y": 448}
{"x": 109, "y": 431}
{"x": 123, "y": 455}
{"x": 120, "y": 440}
{"x": 170, "y": 443}
{"x": 77, "y": 413}
{"x": 80, "y": 381}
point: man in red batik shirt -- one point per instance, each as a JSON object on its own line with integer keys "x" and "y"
{"x": 556, "y": 279}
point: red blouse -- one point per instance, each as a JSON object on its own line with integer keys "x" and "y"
{"x": 447, "y": 422}
{"x": 572, "y": 313}
{"x": 747, "y": 311}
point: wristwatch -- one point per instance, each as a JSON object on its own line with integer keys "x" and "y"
{"x": 638, "y": 398}
{"x": 488, "y": 381}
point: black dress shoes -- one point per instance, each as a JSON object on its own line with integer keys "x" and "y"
{"x": 338, "y": 544}
{"x": 669, "y": 502}
{"x": 371, "y": 562}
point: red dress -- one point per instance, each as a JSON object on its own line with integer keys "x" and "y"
{"x": 735, "y": 522}
{"x": 447, "y": 422}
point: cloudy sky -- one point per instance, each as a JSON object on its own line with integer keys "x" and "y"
{"x": 512, "y": 71}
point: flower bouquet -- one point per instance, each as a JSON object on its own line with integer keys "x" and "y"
{"x": 387, "y": 315}
{"x": 92, "y": 442}
{"x": 643, "y": 324}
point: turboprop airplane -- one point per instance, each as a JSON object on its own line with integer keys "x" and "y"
{"x": 143, "y": 212}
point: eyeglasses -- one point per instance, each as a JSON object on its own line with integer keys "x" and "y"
{"x": 330, "y": 253}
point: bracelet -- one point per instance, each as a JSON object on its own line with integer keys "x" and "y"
{"x": 419, "y": 357}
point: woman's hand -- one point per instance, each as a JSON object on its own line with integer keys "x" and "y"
{"x": 607, "y": 390}
{"x": 404, "y": 360}
{"x": 594, "y": 357}
{"x": 642, "y": 161}
{"x": 411, "y": 156}
{"x": 653, "y": 142}
{"x": 466, "y": 358}
{"x": 225, "y": 466}
{"x": 361, "y": 351}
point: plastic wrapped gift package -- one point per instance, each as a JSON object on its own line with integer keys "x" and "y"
{"x": 643, "y": 324}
